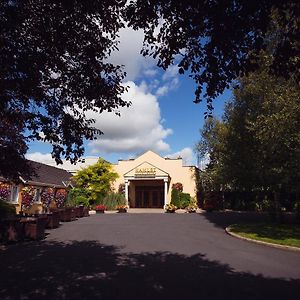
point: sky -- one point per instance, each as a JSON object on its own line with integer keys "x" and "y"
{"x": 162, "y": 118}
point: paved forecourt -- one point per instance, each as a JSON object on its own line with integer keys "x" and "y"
{"x": 147, "y": 256}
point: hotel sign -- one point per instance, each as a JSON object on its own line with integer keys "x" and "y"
{"x": 145, "y": 172}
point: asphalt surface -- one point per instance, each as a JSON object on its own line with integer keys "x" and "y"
{"x": 148, "y": 256}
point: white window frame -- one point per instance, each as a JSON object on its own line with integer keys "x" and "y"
{"x": 14, "y": 197}
{"x": 37, "y": 195}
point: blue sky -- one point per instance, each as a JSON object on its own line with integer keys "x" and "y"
{"x": 162, "y": 118}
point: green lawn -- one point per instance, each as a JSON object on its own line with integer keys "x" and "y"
{"x": 282, "y": 234}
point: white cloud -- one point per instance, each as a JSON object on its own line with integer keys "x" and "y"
{"x": 150, "y": 72}
{"x": 162, "y": 90}
{"x": 186, "y": 154}
{"x": 131, "y": 43}
{"x": 167, "y": 87}
{"x": 138, "y": 129}
{"x": 171, "y": 72}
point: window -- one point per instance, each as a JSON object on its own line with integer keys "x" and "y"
{"x": 37, "y": 195}
{"x": 14, "y": 194}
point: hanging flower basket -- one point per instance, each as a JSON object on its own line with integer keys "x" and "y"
{"x": 27, "y": 193}
{"x": 60, "y": 198}
{"x": 47, "y": 197}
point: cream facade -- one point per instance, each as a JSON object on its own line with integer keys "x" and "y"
{"x": 148, "y": 179}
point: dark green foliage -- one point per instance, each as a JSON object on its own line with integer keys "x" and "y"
{"x": 79, "y": 196}
{"x": 6, "y": 209}
{"x": 175, "y": 197}
{"x": 54, "y": 67}
{"x": 217, "y": 41}
{"x": 212, "y": 200}
{"x": 180, "y": 199}
{"x": 185, "y": 200}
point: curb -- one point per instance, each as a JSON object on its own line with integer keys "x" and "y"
{"x": 283, "y": 247}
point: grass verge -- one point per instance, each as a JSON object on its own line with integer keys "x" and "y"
{"x": 282, "y": 234}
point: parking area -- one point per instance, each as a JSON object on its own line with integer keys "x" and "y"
{"x": 147, "y": 256}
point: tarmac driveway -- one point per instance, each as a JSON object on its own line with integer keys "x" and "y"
{"x": 147, "y": 256}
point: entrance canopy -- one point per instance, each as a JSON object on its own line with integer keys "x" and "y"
{"x": 146, "y": 172}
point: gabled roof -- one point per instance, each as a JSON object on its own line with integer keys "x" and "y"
{"x": 46, "y": 175}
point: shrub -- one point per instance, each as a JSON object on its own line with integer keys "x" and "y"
{"x": 6, "y": 209}
{"x": 175, "y": 197}
{"x": 212, "y": 200}
{"x": 296, "y": 209}
{"x": 253, "y": 206}
{"x": 78, "y": 196}
{"x": 112, "y": 200}
{"x": 239, "y": 205}
{"x": 185, "y": 200}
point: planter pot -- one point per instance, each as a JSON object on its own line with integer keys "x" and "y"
{"x": 52, "y": 220}
{"x": 99, "y": 211}
{"x": 73, "y": 213}
{"x": 80, "y": 211}
{"x": 11, "y": 230}
{"x": 34, "y": 228}
{"x": 86, "y": 212}
{"x": 65, "y": 214}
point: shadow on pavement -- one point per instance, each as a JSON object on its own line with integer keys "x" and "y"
{"x": 225, "y": 218}
{"x": 89, "y": 270}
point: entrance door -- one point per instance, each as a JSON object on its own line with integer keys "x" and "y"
{"x": 149, "y": 197}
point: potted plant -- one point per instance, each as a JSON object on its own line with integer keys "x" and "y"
{"x": 100, "y": 209}
{"x": 192, "y": 208}
{"x": 122, "y": 208}
{"x": 170, "y": 208}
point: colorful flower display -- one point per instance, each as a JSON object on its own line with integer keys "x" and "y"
{"x": 60, "y": 197}
{"x": 47, "y": 197}
{"x": 27, "y": 193}
{"x": 4, "y": 191}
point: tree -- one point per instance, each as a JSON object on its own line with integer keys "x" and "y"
{"x": 218, "y": 41}
{"x": 211, "y": 146}
{"x": 96, "y": 180}
{"x": 54, "y": 67}
{"x": 259, "y": 146}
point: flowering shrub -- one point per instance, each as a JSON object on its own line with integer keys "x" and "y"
{"x": 121, "y": 189}
{"x": 4, "y": 191}
{"x": 27, "y": 193}
{"x": 122, "y": 207}
{"x": 170, "y": 208}
{"x": 177, "y": 186}
{"x": 47, "y": 197}
{"x": 192, "y": 208}
{"x": 100, "y": 207}
{"x": 60, "y": 198}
